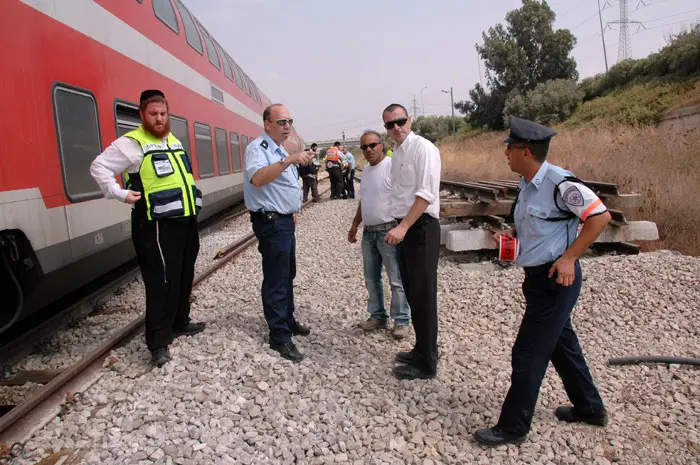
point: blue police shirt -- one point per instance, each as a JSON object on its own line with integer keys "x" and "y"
{"x": 282, "y": 194}
{"x": 350, "y": 159}
{"x": 543, "y": 241}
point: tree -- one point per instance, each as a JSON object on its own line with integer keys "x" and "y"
{"x": 548, "y": 103}
{"x": 518, "y": 56}
{"x": 435, "y": 128}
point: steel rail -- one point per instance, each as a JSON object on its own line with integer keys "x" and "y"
{"x": 94, "y": 359}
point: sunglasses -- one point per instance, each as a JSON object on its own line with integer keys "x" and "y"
{"x": 283, "y": 122}
{"x": 369, "y": 146}
{"x": 400, "y": 122}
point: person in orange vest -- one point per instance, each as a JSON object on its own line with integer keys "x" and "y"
{"x": 334, "y": 168}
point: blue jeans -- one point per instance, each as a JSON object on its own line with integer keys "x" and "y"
{"x": 376, "y": 251}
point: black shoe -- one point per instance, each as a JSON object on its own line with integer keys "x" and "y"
{"x": 411, "y": 372}
{"x": 160, "y": 356}
{"x": 189, "y": 330}
{"x": 570, "y": 415}
{"x": 496, "y": 437}
{"x": 288, "y": 351}
{"x": 407, "y": 358}
{"x": 300, "y": 330}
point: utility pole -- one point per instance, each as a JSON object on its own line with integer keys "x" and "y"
{"x": 602, "y": 36}
{"x": 452, "y": 104}
{"x": 415, "y": 109}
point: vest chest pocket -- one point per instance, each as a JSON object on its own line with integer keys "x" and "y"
{"x": 162, "y": 165}
{"x": 166, "y": 203}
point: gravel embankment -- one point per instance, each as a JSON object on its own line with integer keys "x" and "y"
{"x": 227, "y": 398}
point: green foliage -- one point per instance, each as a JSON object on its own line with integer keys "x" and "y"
{"x": 639, "y": 105}
{"x": 435, "y": 128}
{"x": 548, "y": 103}
{"x": 518, "y": 57}
{"x": 679, "y": 59}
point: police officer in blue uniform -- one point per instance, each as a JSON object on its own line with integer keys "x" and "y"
{"x": 550, "y": 204}
{"x": 273, "y": 196}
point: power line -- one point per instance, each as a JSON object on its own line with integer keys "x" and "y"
{"x": 672, "y": 16}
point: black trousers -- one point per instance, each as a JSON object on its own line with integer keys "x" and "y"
{"x": 166, "y": 251}
{"x": 310, "y": 184}
{"x": 350, "y": 183}
{"x": 277, "y": 246}
{"x": 418, "y": 263}
{"x": 546, "y": 334}
{"x": 336, "y": 178}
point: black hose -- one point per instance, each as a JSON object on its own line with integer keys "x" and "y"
{"x": 653, "y": 359}
{"x": 20, "y": 295}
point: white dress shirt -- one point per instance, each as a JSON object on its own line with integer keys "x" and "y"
{"x": 415, "y": 172}
{"x": 124, "y": 154}
{"x": 375, "y": 193}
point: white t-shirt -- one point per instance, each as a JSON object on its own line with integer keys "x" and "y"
{"x": 375, "y": 193}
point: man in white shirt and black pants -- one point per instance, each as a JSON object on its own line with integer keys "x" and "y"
{"x": 415, "y": 201}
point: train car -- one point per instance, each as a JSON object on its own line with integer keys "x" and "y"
{"x": 71, "y": 76}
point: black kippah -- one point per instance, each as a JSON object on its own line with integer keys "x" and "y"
{"x": 146, "y": 94}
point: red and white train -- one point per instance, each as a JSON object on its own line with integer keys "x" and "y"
{"x": 72, "y": 74}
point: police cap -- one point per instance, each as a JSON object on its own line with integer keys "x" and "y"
{"x": 522, "y": 130}
{"x": 146, "y": 94}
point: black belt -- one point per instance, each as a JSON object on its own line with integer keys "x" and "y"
{"x": 268, "y": 216}
{"x": 381, "y": 227}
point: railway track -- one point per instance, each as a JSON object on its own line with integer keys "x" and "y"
{"x": 65, "y": 386}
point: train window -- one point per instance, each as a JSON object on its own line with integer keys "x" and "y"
{"x": 244, "y": 142}
{"x": 217, "y": 95}
{"x": 78, "y": 131}
{"x": 257, "y": 94}
{"x": 236, "y": 71}
{"x": 127, "y": 117}
{"x": 246, "y": 84}
{"x": 227, "y": 65}
{"x": 190, "y": 28}
{"x": 178, "y": 126}
{"x": 211, "y": 50}
{"x": 164, "y": 11}
{"x": 235, "y": 152}
{"x": 222, "y": 151}
{"x": 205, "y": 154}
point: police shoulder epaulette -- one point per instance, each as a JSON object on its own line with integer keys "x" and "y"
{"x": 264, "y": 144}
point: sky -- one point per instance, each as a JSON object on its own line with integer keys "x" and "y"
{"x": 337, "y": 64}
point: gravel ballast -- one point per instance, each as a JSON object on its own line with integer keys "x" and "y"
{"x": 228, "y": 398}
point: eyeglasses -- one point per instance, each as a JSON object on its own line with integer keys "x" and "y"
{"x": 283, "y": 122}
{"x": 369, "y": 146}
{"x": 401, "y": 122}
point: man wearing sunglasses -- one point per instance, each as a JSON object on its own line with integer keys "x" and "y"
{"x": 273, "y": 196}
{"x": 374, "y": 211}
{"x": 415, "y": 201}
{"x": 546, "y": 212}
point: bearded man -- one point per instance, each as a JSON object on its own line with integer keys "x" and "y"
{"x": 161, "y": 188}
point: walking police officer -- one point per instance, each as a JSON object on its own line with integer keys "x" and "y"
{"x": 161, "y": 188}
{"x": 547, "y": 211}
{"x": 273, "y": 196}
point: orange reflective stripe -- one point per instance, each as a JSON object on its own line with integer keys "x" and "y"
{"x": 590, "y": 209}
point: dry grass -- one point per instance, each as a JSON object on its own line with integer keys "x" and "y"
{"x": 664, "y": 168}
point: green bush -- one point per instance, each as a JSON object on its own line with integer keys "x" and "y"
{"x": 548, "y": 103}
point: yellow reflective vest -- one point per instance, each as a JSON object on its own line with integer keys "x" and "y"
{"x": 165, "y": 178}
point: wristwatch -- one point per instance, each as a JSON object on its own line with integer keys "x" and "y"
{"x": 283, "y": 163}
